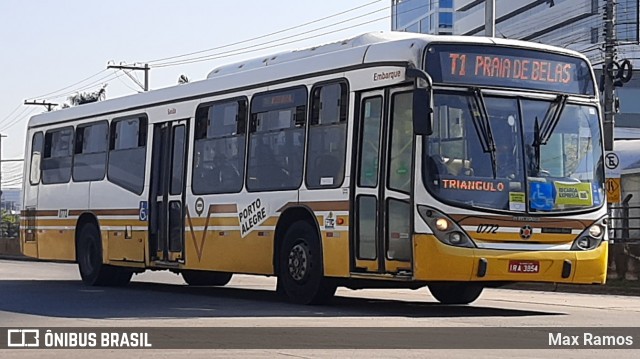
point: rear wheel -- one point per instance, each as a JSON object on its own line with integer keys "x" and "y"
{"x": 455, "y": 293}
{"x": 89, "y": 256}
{"x": 301, "y": 274}
{"x": 195, "y": 277}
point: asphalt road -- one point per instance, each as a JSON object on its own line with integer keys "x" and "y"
{"x": 38, "y": 294}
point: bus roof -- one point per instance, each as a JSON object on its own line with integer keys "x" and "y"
{"x": 376, "y": 47}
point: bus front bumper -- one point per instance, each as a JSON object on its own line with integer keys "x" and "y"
{"x": 436, "y": 261}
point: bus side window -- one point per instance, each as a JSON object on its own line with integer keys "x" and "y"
{"x": 127, "y": 153}
{"x": 36, "y": 157}
{"x": 401, "y": 154}
{"x": 276, "y": 140}
{"x": 218, "y": 162}
{"x": 327, "y": 136}
{"x": 90, "y": 155}
{"x": 58, "y": 151}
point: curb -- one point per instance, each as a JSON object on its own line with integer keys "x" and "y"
{"x": 613, "y": 287}
{"x": 17, "y": 257}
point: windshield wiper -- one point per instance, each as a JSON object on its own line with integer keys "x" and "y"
{"x": 542, "y": 132}
{"x": 536, "y": 146}
{"x": 483, "y": 128}
{"x": 550, "y": 120}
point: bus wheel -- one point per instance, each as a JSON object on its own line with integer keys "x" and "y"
{"x": 89, "y": 255}
{"x": 301, "y": 275}
{"x": 455, "y": 293}
{"x": 197, "y": 277}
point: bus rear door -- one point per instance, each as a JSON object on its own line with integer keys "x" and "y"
{"x": 166, "y": 197}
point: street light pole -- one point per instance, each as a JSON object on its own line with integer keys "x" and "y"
{"x": 490, "y": 18}
{"x": 607, "y": 70}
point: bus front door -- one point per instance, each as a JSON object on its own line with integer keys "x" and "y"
{"x": 166, "y": 196}
{"x": 381, "y": 240}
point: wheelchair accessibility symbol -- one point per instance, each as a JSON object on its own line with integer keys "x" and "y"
{"x": 144, "y": 211}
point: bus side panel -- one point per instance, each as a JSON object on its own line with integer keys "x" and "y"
{"x": 436, "y": 261}
{"x": 28, "y": 229}
{"x": 56, "y": 227}
{"x": 591, "y": 266}
{"x": 29, "y": 242}
{"x": 213, "y": 233}
{"x": 124, "y": 235}
{"x": 335, "y": 250}
{"x": 331, "y": 209}
{"x": 125, "y": 245}
{"x": 227, "y": 251}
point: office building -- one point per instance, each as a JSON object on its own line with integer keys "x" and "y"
{"x": 423, "y": 16}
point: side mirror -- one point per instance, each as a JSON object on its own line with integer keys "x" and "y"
{"x": 422, "y": 112}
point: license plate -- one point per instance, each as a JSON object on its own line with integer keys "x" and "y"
{"x": 524, "y": 266}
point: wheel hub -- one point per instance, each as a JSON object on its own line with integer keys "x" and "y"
{"x": 298, "y": 262}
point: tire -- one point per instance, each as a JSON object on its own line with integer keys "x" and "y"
{"x": 455, "y": 293}
{"x": 195, "y": 277}
{"x": 89, "y": 257}
{"x": 301, "y": 274}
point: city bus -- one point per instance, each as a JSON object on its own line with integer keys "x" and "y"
{"x": 389, "y": 160}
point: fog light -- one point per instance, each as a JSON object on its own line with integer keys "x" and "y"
{"x": 455, "y": 238}
{"x": 583, "y": 243}
{"x": 595, "y": 231}
{"x": 442, "y": 224}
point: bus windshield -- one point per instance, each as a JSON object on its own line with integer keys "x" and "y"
{"x": 514, "y": 154}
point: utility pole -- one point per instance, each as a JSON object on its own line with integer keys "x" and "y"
{"x": 49, "y": 105}
{"x": 144, "y": 68}
{"x": 490, "y": 18}
{"x": 1, "y": 219}
{"x": 607, "y": 70}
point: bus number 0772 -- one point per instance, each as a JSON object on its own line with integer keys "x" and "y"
{"x": 487, "y": 228}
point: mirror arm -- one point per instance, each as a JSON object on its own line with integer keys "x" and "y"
{"x": 418, "y": 74}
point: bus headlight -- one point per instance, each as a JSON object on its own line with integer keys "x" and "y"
{"x": 445, "y": 230}
{"x": 583, "y": 243}
{"x": 591, "y": 237}
{"x": 442, "y": 224}
{"x": 455, "y": 238}
{"x": 595, "y": 231}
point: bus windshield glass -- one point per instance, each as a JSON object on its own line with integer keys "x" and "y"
{"x": 494, "y": 66}
{"x": 523, "y": 155}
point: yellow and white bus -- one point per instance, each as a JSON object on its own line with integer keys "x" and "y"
{"x": 387, "y": 160}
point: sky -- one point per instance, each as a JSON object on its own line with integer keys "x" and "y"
{"x": 54, "y": 48}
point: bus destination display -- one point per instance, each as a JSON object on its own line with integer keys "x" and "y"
{"x": 504, "y": 67}
{"x": 509, "y": 67}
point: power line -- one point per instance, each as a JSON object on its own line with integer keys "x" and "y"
{"x": 266, "y": 35}
{"x": 11, "y": 113}
{"x": 144, "y": 68}
{"x": 110, "y": 77}
{"x": 19, "y": 119}
{"x": 18, "y": 115}
{"x": 74, "y": 84}
{"x": 238, "y": 51}
{"x": 253, "y": 49}
{"x": 107, "y": 78}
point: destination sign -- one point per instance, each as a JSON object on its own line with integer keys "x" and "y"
{"x": 509, "y": 67}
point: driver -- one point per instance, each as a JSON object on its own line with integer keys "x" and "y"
{"x": 506, "y": 147}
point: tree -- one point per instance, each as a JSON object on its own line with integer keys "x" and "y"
{"x": 80, "y": 98}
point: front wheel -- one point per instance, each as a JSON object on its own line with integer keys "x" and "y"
{"x": 455, "y": 293}
{"x": 301, "y": 274}
{"x": 196, "y": 277}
